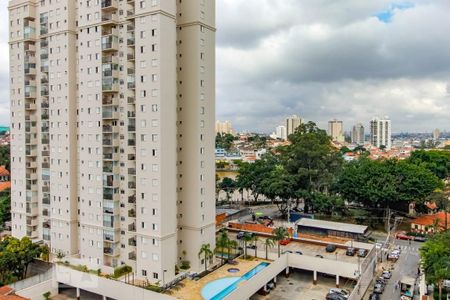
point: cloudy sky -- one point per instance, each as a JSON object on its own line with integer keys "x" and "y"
{"x": 323, "y": 59}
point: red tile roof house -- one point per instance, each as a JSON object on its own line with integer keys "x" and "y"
{"x": 424, "y": 224}
{"x": 7, "y": 293}
{"x": 4, "y": 174}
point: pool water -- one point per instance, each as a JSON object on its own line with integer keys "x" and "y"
{"x": 218, "y": 289}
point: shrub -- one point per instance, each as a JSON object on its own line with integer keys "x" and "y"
{"x": 122, "y": 270}
{"x": 185, "y": 264}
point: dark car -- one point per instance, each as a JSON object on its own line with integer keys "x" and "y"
{"x": 378, "y": 288}
{"x": 374, "y": 297}
{"x": 362, "y": 252}
{"x": 299, "y": 252}
{"x": 240, "y": 235}
{"x": 350, "y": 251}
{"x": 330, "y": 248}
{"x": 335, "y": 296}
{"x": 319, "y": 256}
{"x": 286, "y": 251}
{"x": 251, "y": 246}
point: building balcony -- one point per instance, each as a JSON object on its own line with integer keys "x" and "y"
{"x": 109, "y": 18}
{"x": 110, "y": 5}
{"x": 110, "y": 85}
{"x": 110, "y": 42}
{"x": 132, "y": 227}
{"x": 30, "y": 69}
{"x": 44, "y": 90}
{"x": 111, "y": 156}
{"x": 110, "y": 129}
{"x": 31, "y": 176}
{"x": 110, "y": 237}
{"x": 32, "y": 234}
{"x": 109, "y": 167}
{"x": 43, "y": 28}
{"x": 131, "y": 213}
{"x": 132, "y": 255}
{"x": 110, "y": 115}
{"x": 44, "y": 68}
{"x": 110, "y": 194}
{"x": 131, "y": 57}
{"x": 132, "y": 199}
{"x": 130, "y": 40}
{"x": 132, "y": 185}
{"x": 31, "y": 152}
{"x": 32, "y": 222}
{"x": 114, "y": 211}
{"x": 45, "y": 104}
{"x": 30, "y": 106}
{"x": 32, "y": 210}
{"x": 132, "y": 242}
{"x": 45, "y": 153}
{"x": 46, "y": 189}
{"x": 111, "y": 251}
{"x": 29, "y": 32}
{"x": 110, "y": 70}
{"x": 29, "y": 47}
{"x": 46, "y": 212}
{"x": 30, "y": 58}
{"x": 30, "y": 186}
{"x": 46, "y": 199}
{"x": 31, "y": 140}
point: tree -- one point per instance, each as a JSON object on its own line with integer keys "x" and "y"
{"x": 224, "y": 141}
{"x": 268, "y": 243}
{"x": 280, "y": 233}
{"x": 437, "y": 162}
{"x": 15, "y": 258}
{"x": 45, "y": 253}
{"x": 435, "y": 255}
{"x": 205, "y": 250}
{"x": 222, "y": 243}
{"x": 247, "y": 238}
{"x": 5, "y": 156}
{"x": 312, "y": 160}
{"x": 231, "y": 244}
{"x": 5, "y": 207}
{"x": 441, "y": 199}
{"x": 385, "y": 183}
{"x": 255, "y": 240}
{"x": 228, "y": 185}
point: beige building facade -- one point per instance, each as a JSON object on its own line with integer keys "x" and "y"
{"x": 292, "y": 123}
{"x": 336, "y": 130}
{"x": 112, "y": 134}
{"x": 224, "y": 127}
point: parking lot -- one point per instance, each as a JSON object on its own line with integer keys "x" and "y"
{"x": 309, "y": 249}
{"x": 299, "y": 286}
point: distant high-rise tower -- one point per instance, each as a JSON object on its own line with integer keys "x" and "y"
{"x": 281, "y": 132}
{"x": 224, "y": 127}
{"x": 358, "y": 134}
{"x": 113, "y": 110}
{"x": 292, "y": 123}
{"x": 436, "y": 134}
{"x": 380, "y": 132}
{"x": 336, "y": 130}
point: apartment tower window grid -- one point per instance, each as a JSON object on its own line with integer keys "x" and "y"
{"x": 113, "y": 129}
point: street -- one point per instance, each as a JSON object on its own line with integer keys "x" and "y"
{"x": 407, "y": 265}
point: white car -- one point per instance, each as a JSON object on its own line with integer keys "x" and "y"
{"x": 386, "y": 274}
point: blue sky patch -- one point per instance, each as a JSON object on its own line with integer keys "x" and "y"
{"x": 386, "y": 15}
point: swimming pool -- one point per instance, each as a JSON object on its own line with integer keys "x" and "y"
{"x": 218, "y": 289}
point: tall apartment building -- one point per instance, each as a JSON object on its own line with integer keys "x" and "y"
{"x": 380, "y": 132}
{"x": 112, "y": 130}
{"x": 292, "y": 123}
{"x": 280, "y": 132}
{"x": 336, "y": 130}
{"x": 224, "y": 127}
{"x": 358, "y": 134}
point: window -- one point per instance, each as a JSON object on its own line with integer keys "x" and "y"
{"x": 144, "y": 272}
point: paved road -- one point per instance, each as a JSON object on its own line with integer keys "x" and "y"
{"x": 407, "y": 264}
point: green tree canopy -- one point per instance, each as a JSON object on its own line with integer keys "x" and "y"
{"x": 437, "y": 162}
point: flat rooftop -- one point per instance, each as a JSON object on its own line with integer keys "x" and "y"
{"x": 329, "y": 225}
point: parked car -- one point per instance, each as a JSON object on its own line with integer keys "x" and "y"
{"x": 286, "y": 251}
{"x": 421, "y": 239}
{"x": 240, "y": 235}
{"x": 402, "y": 236}
{"x": 362, "y": 252}
{"x": 330, "y": 248}
{"x": 374, "y": 297}
{"x": 319, "y": 256}
{"x": 378, "y": 288}
{"x": 299, "y": 252}
{"x": 341, "y": 292}
{"x": 251, "y": 246}
{"x": 386, "y": 274}
{"x": 334, "y": 296}
{"x": 350, "y": 251}
{"x": 285, "y": 242}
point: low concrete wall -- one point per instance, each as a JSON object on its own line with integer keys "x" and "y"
{"x": 103, "y": 286}
{"x": 32, "y": 281}
{"x": 36, "y": 292}
{"x": 364, "y": 281}
{"x": 254, "y": 284}
{"x": 328, "y": 266}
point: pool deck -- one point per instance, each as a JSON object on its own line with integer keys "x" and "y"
{"x": 192, "y": 289}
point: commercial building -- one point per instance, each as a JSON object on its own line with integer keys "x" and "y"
{"x": 112, "y": 130}
{"x": 224, "y": 127}
{"x": 292, "y": 123}
{"x": 280, "y": 132}
{"x": 380, "y": 132}
{"x": 358, "y": 134}
{"x": 336, "y": 130}
{"x": 328, "y": 228}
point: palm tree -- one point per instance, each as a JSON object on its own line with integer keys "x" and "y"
{"x": 280, "y": 234}
{"x": 206, "y": 251}
{"x": 246, "y": 238}
{"x": 255, "y": 240}
{"x": 222, "y": 243}
{"x": 269, "y": 243}
{"x": 231, "y": 244}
